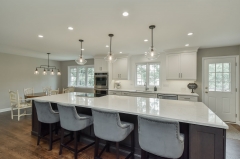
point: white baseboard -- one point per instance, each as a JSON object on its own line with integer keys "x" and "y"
{"x": 5, "y": 110}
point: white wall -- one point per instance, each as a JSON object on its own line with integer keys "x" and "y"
{"x": 17, "y": 73}
{"x": 166, "y": 85}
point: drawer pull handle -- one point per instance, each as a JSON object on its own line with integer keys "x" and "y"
{"x": 187, "y": 98}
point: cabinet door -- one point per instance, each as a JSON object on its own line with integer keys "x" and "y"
{"x": 116, "y": 70}
{"x": 97, "y": 65}
{"x": 104, "y": 66}
{"x": 188, "y": 66}
{"x": 173, "y": 66}
{"x": 120, "y": 69}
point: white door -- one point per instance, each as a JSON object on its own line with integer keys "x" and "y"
{"x": 220, "y": 86}
{"x": 188, "y": 66}
{"x": 173, "y": 66}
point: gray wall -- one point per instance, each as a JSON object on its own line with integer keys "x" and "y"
{"x": 64, "y": 67}
{"x": 16, "y": 73}
{"x": 211, "y": 52}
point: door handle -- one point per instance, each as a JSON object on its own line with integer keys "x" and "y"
{"x": 206, "y": 92}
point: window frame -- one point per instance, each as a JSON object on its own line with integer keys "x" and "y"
{"x": 147, "y": 73}
{"x": 77, "y": 78}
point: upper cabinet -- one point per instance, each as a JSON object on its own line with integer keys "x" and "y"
{"x": 100, "y": 65}
{"x": 181, "y": 66}
{"x": 120, "y": 69}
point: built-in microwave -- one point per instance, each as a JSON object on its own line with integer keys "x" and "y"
{"x": 101, "y": 80}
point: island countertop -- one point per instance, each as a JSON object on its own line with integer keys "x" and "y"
{"x": 183, "y": 111}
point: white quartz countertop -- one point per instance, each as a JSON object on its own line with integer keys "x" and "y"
{"x": 182, "y": 111}
{"x": 157, "y": 92}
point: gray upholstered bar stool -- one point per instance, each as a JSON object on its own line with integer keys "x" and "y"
{"x": 160, "y": 137}
{"x": 108, "y": 126}
{"x": 70, "y": 120}
{"x": 46, "y": 115}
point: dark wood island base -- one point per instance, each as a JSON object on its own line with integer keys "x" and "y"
{"x": 201, "y": 142}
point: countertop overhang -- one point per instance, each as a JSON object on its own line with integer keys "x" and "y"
{"x": 182, "y": 111}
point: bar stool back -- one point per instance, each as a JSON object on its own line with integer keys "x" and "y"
{"x": 160, "y": 137}
{"x": 109, "y": 127}
{"x": 72, "y": 121}
{"x": 46, "y": 115}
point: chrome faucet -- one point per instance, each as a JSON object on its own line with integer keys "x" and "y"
{"x": 146, "y": 88}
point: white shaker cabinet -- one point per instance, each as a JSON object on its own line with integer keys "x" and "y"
{"x": 182, "y": 66}
{"x": 120, "y": 69}
{"x": 100, "y": 65}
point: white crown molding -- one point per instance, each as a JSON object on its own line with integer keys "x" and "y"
{"x": 182, "y": 50}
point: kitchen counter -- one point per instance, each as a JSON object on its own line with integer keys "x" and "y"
{"x": 157, "y": 92}
{"x": 182, "y": 111}
{"x": 204, "y": 132}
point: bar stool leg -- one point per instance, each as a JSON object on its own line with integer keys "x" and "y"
{"x": 39, "y": 132}
{"x": 96, "y": 147}
{"x": 132, "y": 144}
{"x": 75, "y": 144}
{"x": 117, "y": 150}
{"x": 50, "y": 137}
{"x": 61, "y": 141}
{"x": 143, "y": 154}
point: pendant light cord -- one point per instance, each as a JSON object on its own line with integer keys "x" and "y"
{"x": 110, "y": 45}
{"x": 152, "y": 38}
{"x": 81, "y": 49}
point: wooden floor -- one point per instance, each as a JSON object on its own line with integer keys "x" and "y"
{"x": 16, "y": 142}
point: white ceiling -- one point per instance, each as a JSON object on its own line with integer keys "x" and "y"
{"x": 213, "y": 22}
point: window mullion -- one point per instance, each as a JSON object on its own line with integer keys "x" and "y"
{"x": 147, "y": 73}
{"x": 86, "y": 76}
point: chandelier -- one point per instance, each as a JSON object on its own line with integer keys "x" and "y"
{"x": 152, "y": 54}
{"x": 81, "y": 60}
{"x": 110, "y": 57}
{"x": 47, "y": 68}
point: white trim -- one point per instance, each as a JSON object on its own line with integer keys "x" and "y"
{"x": 147, "y": 73}
{"x": 5, "y": 110}
{"x": 182, "y": 50}
{"x": 237, "y": 81}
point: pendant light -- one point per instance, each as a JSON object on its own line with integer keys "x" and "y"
{"x": 110, "y": 57}
{"x": 152, "y": 54}
{"x": 47, "y": 68}
{"x": 81, "y": 60}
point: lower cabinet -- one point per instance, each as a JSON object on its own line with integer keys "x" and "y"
{"x": 115, "y": 93}
{"x": 145, "y": 95}
{"x": 188, "y": 98}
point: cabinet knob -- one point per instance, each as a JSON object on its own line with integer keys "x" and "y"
{"x": 206, "y": 92}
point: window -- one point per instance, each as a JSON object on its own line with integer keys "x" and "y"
{"x": 219, "y": 77}
{"x": 81, "y": 76}
{"x": 148, "y": 72}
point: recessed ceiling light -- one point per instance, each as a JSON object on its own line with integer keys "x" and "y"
{"x": 187, "y": 45}
{"x": 82, "y": 49}
{"x": 190, "y": 34}
{"x": 107, "y": 46}
{"x": 70, "y": 28}
{"x": 120, "y": 52}
{"x": 40, "y": 36}
{"x": 146, "y": 40}
{"x": 125, "y": 14}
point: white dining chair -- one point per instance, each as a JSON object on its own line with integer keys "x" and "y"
{"x": 28, "y": 91}
{"x": 46, "y": 89}
{"x": 17, "y": 103}
{"x": 55, "y": 92}
{"x": 68, "y": 90}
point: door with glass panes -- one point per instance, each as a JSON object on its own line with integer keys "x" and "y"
{"x": 219, "y": 86}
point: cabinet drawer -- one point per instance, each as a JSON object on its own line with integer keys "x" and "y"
{"x": 125, "y": 93}
{"x": 145, "y": 95}
{"x": 114, "y": 93}
{"x": 188, "y": 98}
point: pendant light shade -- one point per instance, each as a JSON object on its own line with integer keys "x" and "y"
{"x": 81, "y": 60}
{"x": 152, "y": 54}
{"x": 110, "y": 57}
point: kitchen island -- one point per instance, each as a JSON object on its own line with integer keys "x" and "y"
{"x": 205, "y": 132}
